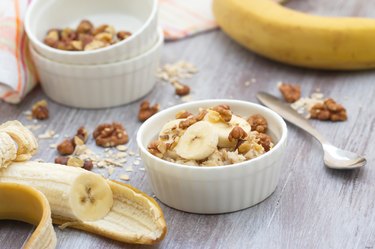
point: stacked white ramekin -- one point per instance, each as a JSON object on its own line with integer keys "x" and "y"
{"x": 110, "y": 76}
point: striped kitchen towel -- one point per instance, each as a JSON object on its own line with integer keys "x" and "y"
{"x": 179, "y": 18}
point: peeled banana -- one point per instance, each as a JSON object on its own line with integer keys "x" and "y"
{"x": 71, "y": 192}
{"x": 296, "y": 38}
{"x": 24, "y": 203}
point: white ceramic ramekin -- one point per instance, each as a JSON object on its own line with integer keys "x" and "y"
{"x": 138, "y": 17}
{"x": 210, "y": 190}
{"x": 99, "y": 86}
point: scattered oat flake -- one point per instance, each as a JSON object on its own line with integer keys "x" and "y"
{"x": 47, "y": 135}
{"x": 113, "y": 162}
{"x": 177, "y": 71}
{"x": 142, "y": 169}
{"x": 121, "y": 147}
{"x": 53, "y": 146}
{"x": 33, "y": 127}
{"x": 122, "y": 161}
{"x": 27, "y": 113}
{"x": 124, "y": 177}
{"x": 136, "y": 162}
{"x": 131, "y": 153}
{"x": 247, "y": 83}
{"x": 129, "y": 169}
{"x": 253, "y": 80}
{"x": 186, "y": 98}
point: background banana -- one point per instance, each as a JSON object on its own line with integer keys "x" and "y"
{"x": 296, "y": 38}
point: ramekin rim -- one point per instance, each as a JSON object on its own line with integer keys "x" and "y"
{"x": 33, "y": 38}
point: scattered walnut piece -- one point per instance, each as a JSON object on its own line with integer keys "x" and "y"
{"x": 258, "y": 123}
{"x": 61, "y": 160}
{"x": 88, "y": 165}
{"x": 40, "y": 110}
{"x": 181, "y": 89}
{"x": 183, "y": 114}
{"x": 224, "y": 111}
{"x": 290, "y": 92}
{"x": 52, "y": 37}
{"x": 236, "y": 134}
{"x": 110, "y": 135}
{"x": 265, "y": 141}
{"x": 66, "y": 147}
{"x": 328, "y": 110}
{"x": 146, "y": 111}
{"x": 157, "y": 148}
{"x": 82, "y": 134}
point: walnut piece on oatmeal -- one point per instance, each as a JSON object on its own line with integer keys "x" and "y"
{"x": 258, "y": 123}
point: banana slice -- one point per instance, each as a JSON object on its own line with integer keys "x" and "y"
{"x": 198, "y": 142}
{"x": 24, "y": 203}
{"x": 8, "y": 150}
{"x": 170, "y": 130}
{"x": 134, "y": 218}
{"x": 72, "y": 192}
{"x": 26, "y": 142}
{"x": 223, "y": 129}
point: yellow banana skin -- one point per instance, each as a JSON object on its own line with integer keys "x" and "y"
{"x": 24, "y": 203}
{"x": 296, "y": 38}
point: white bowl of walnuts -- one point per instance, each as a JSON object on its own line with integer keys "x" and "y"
{"x": 90, "y": 32}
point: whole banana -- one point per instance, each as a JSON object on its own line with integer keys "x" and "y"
{"x": 296, "y": 38}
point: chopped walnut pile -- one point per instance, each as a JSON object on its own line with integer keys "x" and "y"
{"x": 146, "y": 110}
{"x": 328, "y": 110}
{"x": 68, "y": 146}
{"x": 222, "y": 138}
{"x": 85, "y": 37}
{"x": 40, "y": 110}
{"x": 110, "y": 135}
{"x": 290, "y": 92}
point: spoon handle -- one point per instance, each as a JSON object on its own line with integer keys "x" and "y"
{"x": 289, "y": 114}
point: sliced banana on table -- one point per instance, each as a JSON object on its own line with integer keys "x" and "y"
{"x": 223, "y": 129}
{"x": 72, "y": 192}
{"x": 24, "y": 203}
{"x": 198, "y": 142}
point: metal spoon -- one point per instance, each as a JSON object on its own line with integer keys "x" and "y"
{"x": 334, "y": 157}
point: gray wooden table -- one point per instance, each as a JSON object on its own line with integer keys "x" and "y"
{"x": 312, "y": 207}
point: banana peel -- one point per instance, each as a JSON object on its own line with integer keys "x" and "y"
{"x": 25, "y": 203}
{"x": 134, "y": 218}
{"x": 292, "y": 37}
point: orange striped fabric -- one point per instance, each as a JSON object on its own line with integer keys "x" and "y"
{"x": 178, "y": 18}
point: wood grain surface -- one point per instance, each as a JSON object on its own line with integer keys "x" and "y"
{"x": 312, "y": 207}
